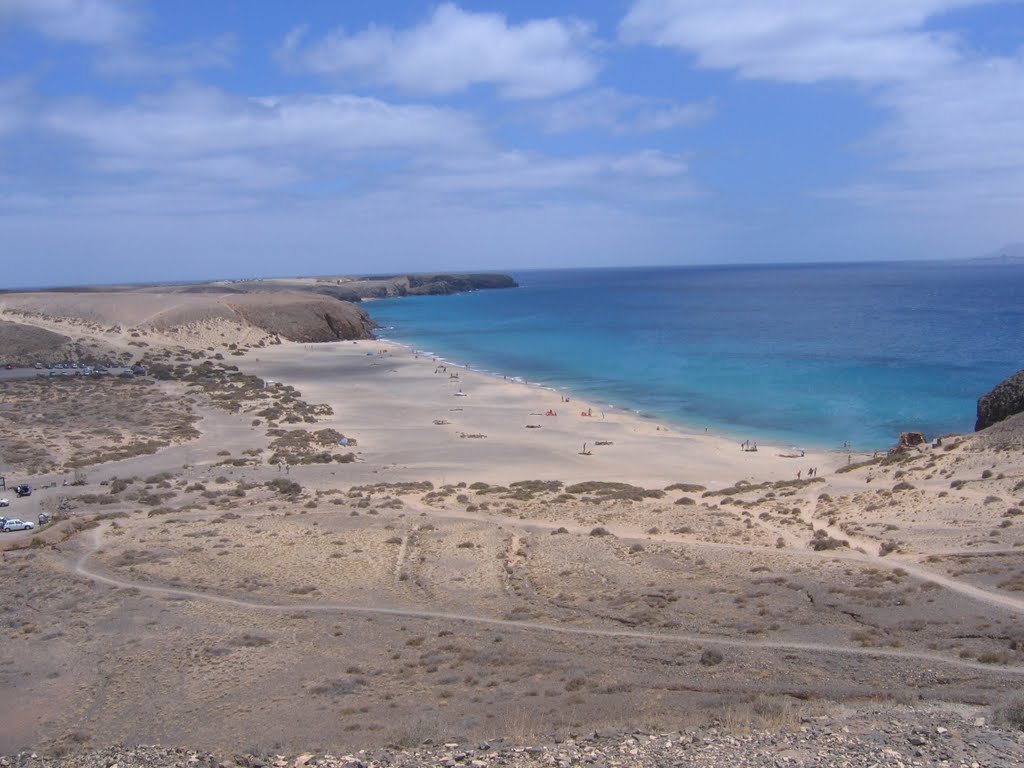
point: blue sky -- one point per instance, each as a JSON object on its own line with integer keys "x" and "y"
{"x": 194, "y": 139}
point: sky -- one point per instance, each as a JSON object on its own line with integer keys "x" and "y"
{"x": 196, "y": 139}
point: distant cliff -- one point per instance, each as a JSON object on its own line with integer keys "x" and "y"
{"x": 1005, "y": 400}
{"x": 388, "y": 286}
{"x": 178, "y": 316}
{"x": 302, "y": 309}
{"x": 307, "y": 319}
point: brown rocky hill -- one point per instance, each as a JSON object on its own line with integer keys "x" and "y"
{"x": 294, "y": 315}
{"x": 24, "y": 342}
{"x": 303, "y": 317}
{"x": 1003, "y": 401}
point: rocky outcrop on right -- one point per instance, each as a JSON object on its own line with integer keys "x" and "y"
{"x": 1005, "y": 400}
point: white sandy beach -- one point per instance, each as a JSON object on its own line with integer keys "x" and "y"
{"x": 415, "y": 418}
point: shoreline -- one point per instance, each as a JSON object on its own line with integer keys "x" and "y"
{"x": 413, "y": 417}
{"x": 681, "y": 425}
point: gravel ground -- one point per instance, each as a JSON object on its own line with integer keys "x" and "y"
{"x": 868, "y": 738}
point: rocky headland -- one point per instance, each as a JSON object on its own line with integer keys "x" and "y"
{"x": 91, "y": 323}
{"x": 1004, "y": 400}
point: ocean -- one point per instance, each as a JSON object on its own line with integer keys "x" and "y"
{"x": 812, "y": 355}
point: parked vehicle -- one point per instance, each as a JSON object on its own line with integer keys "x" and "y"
{"x": 23, "y": 490}
{"x": 17, "y": 525}
{"x": 5, "y": 502}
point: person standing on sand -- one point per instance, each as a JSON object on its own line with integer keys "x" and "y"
{"x": 798, "y": 472}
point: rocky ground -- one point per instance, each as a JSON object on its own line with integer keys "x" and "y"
{"x": 871, "y": 737}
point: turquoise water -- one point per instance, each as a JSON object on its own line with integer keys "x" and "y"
{"x": 815, "y": 355}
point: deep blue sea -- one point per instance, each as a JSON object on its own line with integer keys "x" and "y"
{"x": 815, "y": 355}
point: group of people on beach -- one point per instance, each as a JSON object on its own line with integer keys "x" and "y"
{"x": 812, "y": 472}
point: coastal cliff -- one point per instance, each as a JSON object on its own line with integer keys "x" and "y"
{"x": 40, "y": 327}
{"x": 391, "y": 286}
{"x": 1004, "y": 400}
{"x": 307, "y": 319}
{"x": 36, "y": 324}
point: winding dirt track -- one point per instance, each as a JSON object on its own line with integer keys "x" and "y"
{"x": 81, "y": 568}
{"x": 892, "y": 562}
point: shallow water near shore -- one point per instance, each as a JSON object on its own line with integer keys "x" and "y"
{"x": 817, "y": 355}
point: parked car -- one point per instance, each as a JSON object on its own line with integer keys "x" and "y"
{"x": 23, "y": 490}
{"x": 5, "y": 502}
{"x": 17, "y": 525}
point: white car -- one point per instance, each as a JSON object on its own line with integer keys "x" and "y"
{"x": 17, "y": 525}
{"x": 5, "y": 502}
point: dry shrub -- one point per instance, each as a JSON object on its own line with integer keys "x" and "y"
{"x": 1011, "y": 712}
{"x": 711, "y": 657}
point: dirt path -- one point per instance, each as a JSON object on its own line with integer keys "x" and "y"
{"x": 890, "y": 562}
{"x": 82, "y": 568}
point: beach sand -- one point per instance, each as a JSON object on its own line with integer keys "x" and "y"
{"x": 415, "y": 418}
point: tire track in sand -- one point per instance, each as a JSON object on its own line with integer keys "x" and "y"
{"x": 81, "y": 568}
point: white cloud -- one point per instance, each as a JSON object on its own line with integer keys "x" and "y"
{"x": 169, "y": 60}
{"x": 634, "y": 180}
{"x": 609, "y": 110}
{"x": 223, "y": 152}
{"x": 192, "y": 121}
{"x": 957, "y": 144}
{"x": 454, "y": 50}
{"x": 801, "y": 41}
{"x": 971, "y": 118}
{"x": 92, "y": 22}
{"x": 953, "y": 140}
